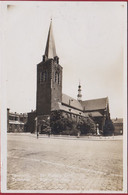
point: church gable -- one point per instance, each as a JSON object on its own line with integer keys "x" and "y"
{"x": 95, "y": 104}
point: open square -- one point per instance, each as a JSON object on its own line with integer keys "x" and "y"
{"x": 64, "y": 97}
{"x": 64, "y": 163}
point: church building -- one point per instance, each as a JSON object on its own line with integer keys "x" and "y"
{"x": 49, "y": 97}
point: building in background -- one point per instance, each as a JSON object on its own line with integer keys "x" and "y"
{"x": 118, "y": 124}
{"x": 31, "y": 122}
{"x": 16, "y": 122}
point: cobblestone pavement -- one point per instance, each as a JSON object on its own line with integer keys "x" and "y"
{"x": 64, "y": 164}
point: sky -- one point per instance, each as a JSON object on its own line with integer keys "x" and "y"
{"x": 89, "y": 39}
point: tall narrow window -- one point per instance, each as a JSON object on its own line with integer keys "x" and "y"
{"x": 41, "y": 77}
{"x": 55, "y": 77}
{"x": 58, "y": 78}
{"x": 45, "y": 75}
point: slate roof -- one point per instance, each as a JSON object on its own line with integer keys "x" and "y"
{"x": 72, "y": 105}
{"x": 71, "y": 110}
{"x": 73, "y": 102}
{"x": 68, "y": 109}
{"x": 87, "y": 105}
{"x": 95, "y": 104}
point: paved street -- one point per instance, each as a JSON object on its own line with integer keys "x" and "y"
{"x": 64, "y": 164}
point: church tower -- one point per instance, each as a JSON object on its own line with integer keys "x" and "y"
{"x": 49, "y": 79}
{"x": 79, "y": 96}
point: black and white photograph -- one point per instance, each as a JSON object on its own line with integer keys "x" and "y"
{"x": 63, "y": 97}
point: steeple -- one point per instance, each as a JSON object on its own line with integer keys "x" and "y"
{"x": 49, "y": 79}
{"x": 79, "y": 96}
{"x": 50, "y": 50}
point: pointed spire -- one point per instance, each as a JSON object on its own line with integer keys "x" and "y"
{"x": 50, "y": 50}
{"x": 79, "y": 96}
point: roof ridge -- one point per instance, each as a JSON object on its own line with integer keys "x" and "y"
{"x": 69, "y": 96}
{"x": 95, "y": 99}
